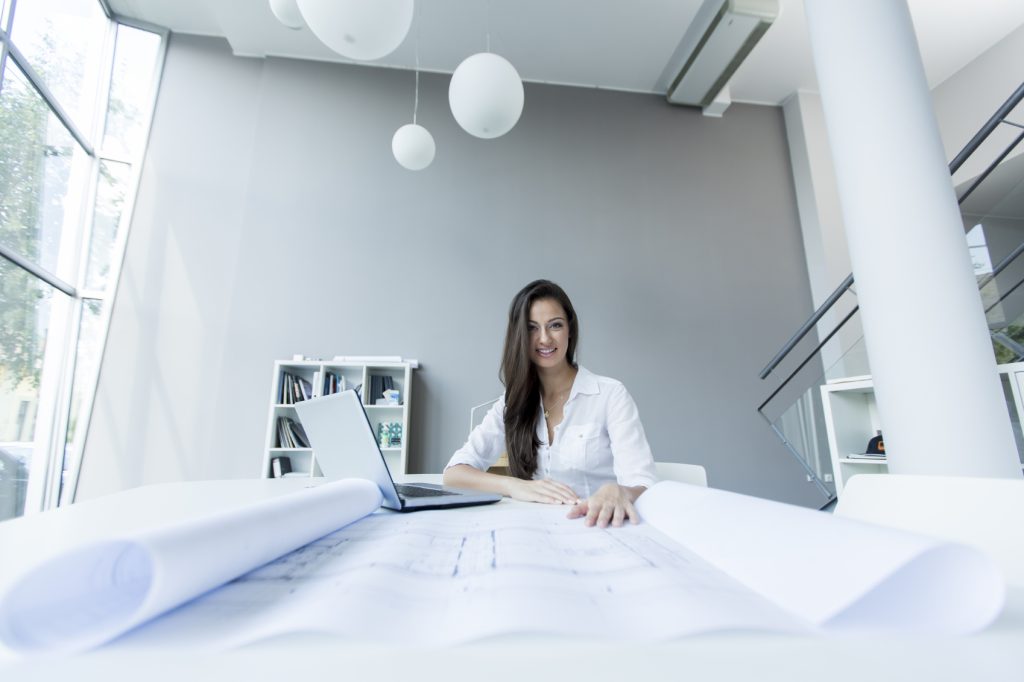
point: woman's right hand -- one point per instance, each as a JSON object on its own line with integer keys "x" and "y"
{"x": 543, "y": 490}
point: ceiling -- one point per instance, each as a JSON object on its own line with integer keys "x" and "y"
{"x": 610, "y": 44}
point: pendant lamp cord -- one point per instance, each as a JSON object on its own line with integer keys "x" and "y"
{"x": 416, "y": 100}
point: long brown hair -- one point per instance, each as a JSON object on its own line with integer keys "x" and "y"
{"x": 518, "y": 373}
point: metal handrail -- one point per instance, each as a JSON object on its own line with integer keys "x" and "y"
{"x": 991, "y": 167}
{"x": 808, "y": 325}
{"x": 814, "y": 352}
{"x": 1003, "y": 264}
{"x": 986, "y": 130}
{"x": 1012, "y": 256}
{"x": 972, "y": 146}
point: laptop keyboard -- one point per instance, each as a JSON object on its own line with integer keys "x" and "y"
{"x": 417, "y": 491}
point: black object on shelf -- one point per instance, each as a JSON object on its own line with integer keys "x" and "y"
{"x": 280, "y": 465}
{"x": 876, "y": 446}
{"x": 378, "y": 384}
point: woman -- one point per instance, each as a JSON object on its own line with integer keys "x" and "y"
{"x": 572, "y": 437}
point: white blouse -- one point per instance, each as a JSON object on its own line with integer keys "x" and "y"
{"x": 600, "y": 439}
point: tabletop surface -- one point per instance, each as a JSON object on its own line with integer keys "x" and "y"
{"x": 992, "y": 654}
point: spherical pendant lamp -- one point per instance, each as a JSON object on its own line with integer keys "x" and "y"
{"x": 359, "y": 29}
{"x": 287, "y": 12}
{"x": 413, "y": 147}
{"x": 486, "y": 95}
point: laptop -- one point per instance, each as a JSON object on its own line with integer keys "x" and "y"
{"x": 345, "y": 447}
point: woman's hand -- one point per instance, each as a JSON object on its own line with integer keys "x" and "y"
{"x": 611, "y": 503}
{"x": 545, "y": 490}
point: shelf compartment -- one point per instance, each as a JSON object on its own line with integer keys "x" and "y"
{"x": 301, "y": 459}
{"x": 396, "y": 376}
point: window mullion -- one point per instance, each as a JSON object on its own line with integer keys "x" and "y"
{"x": 44, "y": 91}
{"x": 59, "y": 442}
{"x": 70, "y": 491}
{"x": 45, "y": 275}
{"x": 62, "y": 411}
{"x": 101, "y": 100}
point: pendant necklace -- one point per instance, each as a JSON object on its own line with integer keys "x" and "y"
{"x": 547, "y": 413}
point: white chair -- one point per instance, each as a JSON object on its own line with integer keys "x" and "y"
{"x": 693, "y": 474}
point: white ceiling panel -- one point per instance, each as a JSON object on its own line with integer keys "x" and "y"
{"x": 589, "y": 43}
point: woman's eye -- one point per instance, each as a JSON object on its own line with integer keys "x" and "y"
{"x": 556, "y": 325}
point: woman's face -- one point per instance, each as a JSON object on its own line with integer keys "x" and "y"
{"x": 549, "y": 333}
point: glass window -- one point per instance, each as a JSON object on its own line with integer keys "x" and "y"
{"x": 979, "y": 251}
{"x": 63, "y": 41}
{"x": 46, "y": 183}
{"x": 135, "y": 61}
{"x": 26, "y": 304}
{"x": 42, "y": 177}
{"x": 87, "y": 358}
{"x": 110, "y": 197}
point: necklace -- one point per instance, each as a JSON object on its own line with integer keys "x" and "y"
{"x": 547, "y": 412}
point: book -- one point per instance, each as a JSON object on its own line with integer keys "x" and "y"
{"x": 702, "y": 560}
{"x": 290, "y": 434}
{"x": 280, "y": 465}
{"x": 335, "y": 383}
{"x": 299, "y": 434}
{"x": 867, "y": 456}
{"x": 378, "y": 384}
{"x": 289, "y": 383}
{"x": 282, "y": 438}
{"x": 305, "y": 389}
{"x": 284, "y": 391}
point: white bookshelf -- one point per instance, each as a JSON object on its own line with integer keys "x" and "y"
{"x": 356, "y": 373}
{"x": 851, "y": 420}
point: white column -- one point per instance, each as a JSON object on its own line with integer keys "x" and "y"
{"x": 939, "y": 398}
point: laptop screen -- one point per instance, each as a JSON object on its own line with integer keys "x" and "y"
{"x": 343, "y": 442}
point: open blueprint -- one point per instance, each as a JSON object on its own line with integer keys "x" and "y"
{"x": 326, "y": 560}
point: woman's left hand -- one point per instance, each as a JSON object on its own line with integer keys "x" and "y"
{"x": 611, "y": 503}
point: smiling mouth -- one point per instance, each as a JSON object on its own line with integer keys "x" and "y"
{"x": 546, "y": 352}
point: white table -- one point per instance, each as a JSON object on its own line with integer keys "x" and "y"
{"x": 998, "y": 653}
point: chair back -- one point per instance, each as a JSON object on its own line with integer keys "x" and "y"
{"x": 694, "y": 474}
{"x": 477, "y": 412}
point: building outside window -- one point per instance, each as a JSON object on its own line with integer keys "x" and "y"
{"x": 77, "y": 88}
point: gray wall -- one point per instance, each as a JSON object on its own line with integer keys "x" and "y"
{"x": 272, "y": 220}
{"x": 967, "y": 99}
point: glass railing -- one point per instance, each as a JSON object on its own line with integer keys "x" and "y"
{"x": 832, "y": 351}
{"x": 827, "y": 356}
{"x": 994, "y": 221}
